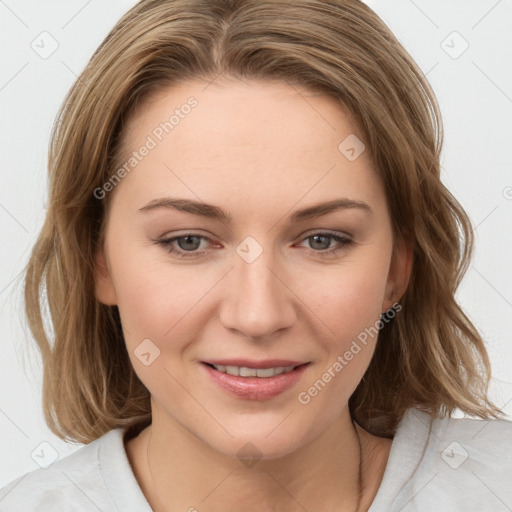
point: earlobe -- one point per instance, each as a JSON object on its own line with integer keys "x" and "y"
{"x": 104, "y": 287}
{"x": 399, "y": 272}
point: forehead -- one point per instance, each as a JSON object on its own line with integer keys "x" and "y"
{"x": 255, "y": 139}
{"x": 242, "y": 114}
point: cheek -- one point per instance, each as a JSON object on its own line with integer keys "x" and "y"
{"x": 153, "y": 296}
{"x": 351, "y": 310}
{"x": 348, "y": 298}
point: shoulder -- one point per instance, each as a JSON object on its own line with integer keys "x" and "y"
{"x": 472, "y": 445}
{"x": 74, "y": 483}
{"x": 466, "y": 464}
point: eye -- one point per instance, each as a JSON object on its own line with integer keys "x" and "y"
{"x": 188, "y": 243}
{"x": 321, "y": 243}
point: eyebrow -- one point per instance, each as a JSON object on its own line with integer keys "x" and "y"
{"x": 216, "y": 213}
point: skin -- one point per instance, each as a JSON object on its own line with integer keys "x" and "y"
{"x": 259, "y": 151}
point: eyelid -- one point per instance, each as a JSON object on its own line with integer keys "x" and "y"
{"x": 321, "y": 231}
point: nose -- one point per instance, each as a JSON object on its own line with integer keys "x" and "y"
{"x": 258, "y": 301}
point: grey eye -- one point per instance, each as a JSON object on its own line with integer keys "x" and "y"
{"x": 192, "y": 242}
{"x": 320, "y": 244}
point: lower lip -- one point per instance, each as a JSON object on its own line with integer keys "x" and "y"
{"x": 256, "y": 388}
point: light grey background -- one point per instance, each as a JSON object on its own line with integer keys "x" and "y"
{"x": 474, "y": 88}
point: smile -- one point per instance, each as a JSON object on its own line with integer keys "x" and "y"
{"x": 243, "y": 371}
{"x": 255, "y": 383}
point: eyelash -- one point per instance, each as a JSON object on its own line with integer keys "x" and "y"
{"x": 167, "y": 244}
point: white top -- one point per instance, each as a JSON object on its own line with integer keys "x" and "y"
{"x": 463, "y": 465}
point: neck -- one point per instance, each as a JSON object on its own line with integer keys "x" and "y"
{"x": 177, "y": 471}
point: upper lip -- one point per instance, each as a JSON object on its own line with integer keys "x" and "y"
{"x": 251, "y": 363}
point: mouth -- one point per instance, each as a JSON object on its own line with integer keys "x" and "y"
{"x": 260, "y": 372}
{"x": 259, "y": 381}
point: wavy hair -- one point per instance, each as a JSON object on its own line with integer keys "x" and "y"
{"x": 430, "y": 356}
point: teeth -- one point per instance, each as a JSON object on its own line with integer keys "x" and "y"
{"x": 243, "y": 371}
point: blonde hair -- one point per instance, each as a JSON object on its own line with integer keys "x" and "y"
{"x": 430, "y": 356}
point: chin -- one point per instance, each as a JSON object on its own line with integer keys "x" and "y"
{"x": 251, "y": 445}
{"x": 251, "y": 450}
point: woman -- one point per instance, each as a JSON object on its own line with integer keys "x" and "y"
{"x": 251, "y": 262}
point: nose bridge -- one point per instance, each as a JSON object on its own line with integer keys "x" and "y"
{"x": 257, "y": 302}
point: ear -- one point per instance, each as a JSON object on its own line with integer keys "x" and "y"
{"x": 399, "y": 271}
{"x": 104, "y": 287}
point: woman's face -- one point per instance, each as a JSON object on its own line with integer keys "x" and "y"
{"x": 252, "y": 280}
